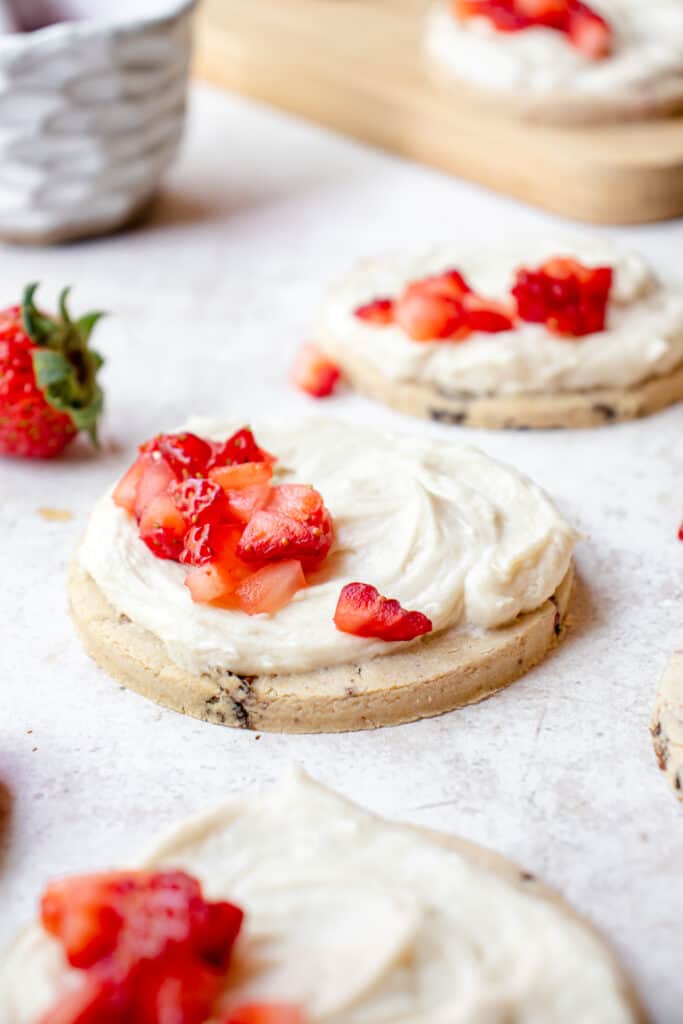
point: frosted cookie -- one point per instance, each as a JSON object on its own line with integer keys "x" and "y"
{"x": 545, "y": 334}
{"x": 404, "y": 578}
{"x": 667, "y": 723}
{"x": 348, "y": 919}
{"x": 562, "y": 60}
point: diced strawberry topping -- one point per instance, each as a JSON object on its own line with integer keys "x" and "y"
{"x": 155, "y": 479}
{"x": 584, "y": 27}
{"x": 151, "y": 949}
{"x": 272, "y": 536}
{"x": 362, "y": 611}
{"x": 229, "y": 526}
{"x": 569, "y": 298}
{"x": 379, "y": 311}
{"x": 314, "y": 373}
{"x": 249, "y": 474}
{"x": 443, "y": 307}
{"x": 425, "y": 316}
{"x": 243, "y": 503}
{"x": 270, "y": 588}
{"x": 680, "y": 532}
{"x": 265, "y": 1013}
{"x": 299, "y": 501}
{"x": 186, "y": 454}
{"x": 200, "y": 501}
{"x": 126, "y": 490}
{"x": 239, "y": 448}
{"x": 486, "y": 316}
{"x": 163, "y": 528}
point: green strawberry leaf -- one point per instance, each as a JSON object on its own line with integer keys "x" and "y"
{"x": 51, "y": 367}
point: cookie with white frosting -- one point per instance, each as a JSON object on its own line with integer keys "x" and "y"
{"x": 667, "y": 723}
{"x": 448, "y": 576}
{"x": 356, "y": 920}
{"x": 560, "y": 60}
{"x": 536, "y": 333}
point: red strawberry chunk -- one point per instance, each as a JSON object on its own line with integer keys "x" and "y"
{"x": 125, "y": 492}
{"x": 680, "y": 532}
{"x": 299, "y": 501}
{"x": 200, "y": 501}
{"x": 239, "y": 448}
{"x": 154, "y": 950}
{"x": 362, "y": 611}
{"x": 163, "y": 528}
{"x": 154, "y": 480}
{"x": 249, "y": 474}
{"x": 450, "y": 285}
{"x": 584, "y": 28}
{"x": 212, "y": 584}
{"x": 379, "y": 312}
{"x": 186, "y": 454}
{"x": 569, "y": 298}
{"x": 265, "y": 1013}
{"x": 269, "y": 589}
{"x": 486, "y": 316}
{"x": 272, "y": 536}
{"x": 243, "y": 503}
{"x": 314, "y": 373}
{"x": 429, "y": 317}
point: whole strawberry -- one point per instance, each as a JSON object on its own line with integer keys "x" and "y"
{"x": 48, "y": 386}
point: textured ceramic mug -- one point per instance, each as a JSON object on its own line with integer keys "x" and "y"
{"x": 91, "y": 111}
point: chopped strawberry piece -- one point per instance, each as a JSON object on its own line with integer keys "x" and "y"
{"x": 584, "y": 28}
{"x": 162, "y": 527}
{"x": 155, "y": 480}
{"x": 269, "y": 589}
{"x": 265, "y": 1013}
{"x": 362, "y": 611}
{"x": 680, "y": 532}
{"x": 314, "y": 373}
{"x": 427, "y": 317}
{"x": 125, "y": 492}
{"x": 200, "y": 501}
{"x": 249, "y": 474}
{"x": 212, "y": 584}
{"x": 244, "y": 502}
{"x": 486, "y": 316}
{"x": 186, "y": 454}
{"x": 161, "y": 952}
{"x": 569, "y": 298}
{"x": 271, "y": 536}
{"x": 450, "y": 285}
{"x": 379, "y": 311}
{"x": 589, "y": 32}
{"x": 239, "y": 448}
{"x": 299, "y": 501}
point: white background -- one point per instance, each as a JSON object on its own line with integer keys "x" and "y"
{"x": 210, "y": 300}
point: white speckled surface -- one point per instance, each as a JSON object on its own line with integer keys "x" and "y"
{"x": 212, "y": 299}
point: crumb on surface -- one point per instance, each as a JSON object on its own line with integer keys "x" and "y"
{"x": 56, "y": 515}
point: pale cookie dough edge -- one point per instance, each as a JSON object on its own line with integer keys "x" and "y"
{"x": 562, "y": 410}
{"x": 666, "y": 725}
{"x": 432, "y": 676}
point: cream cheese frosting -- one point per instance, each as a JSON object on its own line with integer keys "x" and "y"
{"x": 439, "y": 526}
{"x": 360, "y": 921}
{"x": 647, "y": 53}
{"x": 643, "y": 336}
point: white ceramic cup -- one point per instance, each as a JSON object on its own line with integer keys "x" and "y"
{"x": 91, "y": 111}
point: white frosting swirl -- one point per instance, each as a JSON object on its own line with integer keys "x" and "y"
{"x": 364, "y": 922}
{"x": 643, "y": 337}
{"x": 647, "y": 53}
{"x": 439, "y": 526}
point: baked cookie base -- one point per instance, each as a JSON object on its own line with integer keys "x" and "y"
{"x": 571, "y": 409}
{"x": 438, "y": 674}
{"x": 666, "y": 725}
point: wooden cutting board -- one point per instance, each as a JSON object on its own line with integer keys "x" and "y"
{"x": 357, "y": 66}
